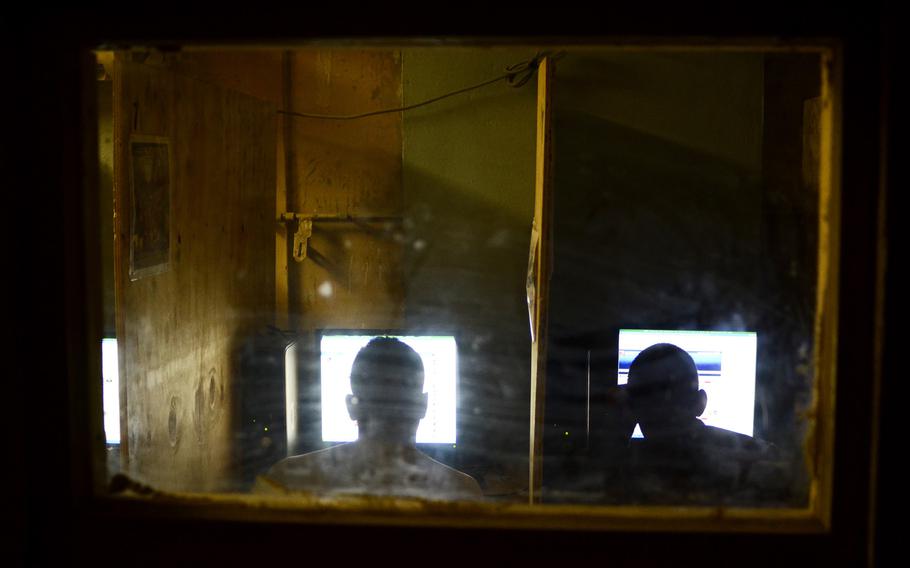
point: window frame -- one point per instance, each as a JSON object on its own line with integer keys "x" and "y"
{"x": 857, "y": 246}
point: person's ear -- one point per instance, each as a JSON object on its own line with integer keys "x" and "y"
{"x": 423, "y": 402}
{"x": 701, "y": 401}
{"x": 353, "y": 407}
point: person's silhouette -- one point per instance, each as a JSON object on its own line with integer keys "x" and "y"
{"x": 682, "y": 460}
{"x": 387, "y": 403}
{"x": 613, "y": 451}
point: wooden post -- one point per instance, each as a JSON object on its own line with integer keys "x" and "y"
{"x": 821, "y": 423}
{"x": 541, "y": 266}
{"x": 285, "y": 176}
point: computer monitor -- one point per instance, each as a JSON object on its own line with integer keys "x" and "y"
{"x": 439, "y": 354}
{"x": 726, "y": 370}
{"x": 110, "y": 390}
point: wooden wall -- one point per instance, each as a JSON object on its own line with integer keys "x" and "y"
{"x": 238, "y": 166}
{"x": 351, "y": 278}
{"x": 106, "y": 203}
{"x": 264, "y": 74}
{"x": 178, "y": 330}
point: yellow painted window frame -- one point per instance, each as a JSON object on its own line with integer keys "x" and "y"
{"x": 819, "y": 444}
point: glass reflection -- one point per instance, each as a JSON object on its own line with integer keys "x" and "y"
{"x": 685, "y": 212}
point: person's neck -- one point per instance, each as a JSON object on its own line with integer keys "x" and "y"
{"x": 387, "y": 433}
{"x": 685, "y": 431}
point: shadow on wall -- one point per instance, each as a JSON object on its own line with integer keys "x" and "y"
{"x": 648, "y": 230}
{"x": 465, "y": 270}
{"x": 651, "y": 234}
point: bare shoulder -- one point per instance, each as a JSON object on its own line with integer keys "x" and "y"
{"x": 294, "y": 469}
{"x": 462, "y": 485}
{"x": 744, "y": 447}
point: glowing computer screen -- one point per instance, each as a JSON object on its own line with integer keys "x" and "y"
{"x": 726, "y": 370}
{"x": 440, "y": 361}
{"x": 110, "y": 391}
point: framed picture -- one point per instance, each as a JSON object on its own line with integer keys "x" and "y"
{"x": 150, "y": 205}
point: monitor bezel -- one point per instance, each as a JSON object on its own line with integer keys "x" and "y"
{"x": 439, "y": 447}
{"x": 755, "y": 370}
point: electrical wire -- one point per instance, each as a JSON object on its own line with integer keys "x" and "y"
{"x": 516, "y": 75}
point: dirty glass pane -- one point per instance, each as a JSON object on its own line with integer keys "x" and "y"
{"x": 304, "y": 303}
{"x": 686, "y": 213}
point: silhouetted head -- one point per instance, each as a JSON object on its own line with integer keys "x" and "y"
{"x": 387, "y": 386}
{"x": 663, "y": 391}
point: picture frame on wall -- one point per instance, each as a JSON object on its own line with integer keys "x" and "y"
{"x": 150, "y": 201}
